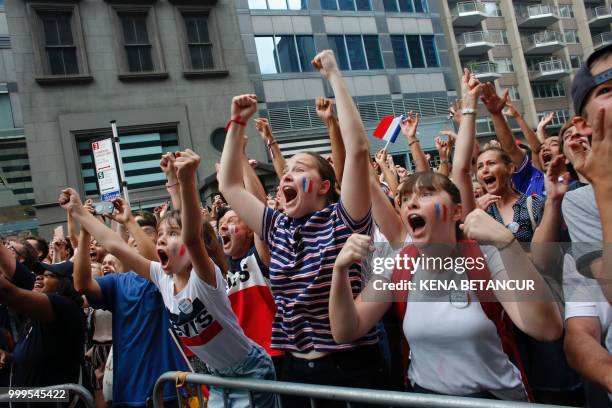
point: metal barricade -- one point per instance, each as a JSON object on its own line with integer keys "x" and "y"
{"x": 77, "y": 389}
{"x": 341, "y": 394}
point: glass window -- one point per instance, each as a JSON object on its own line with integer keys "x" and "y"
{"x": 258, "y": 4}
{"x": 306, "y": 51}
{"x": 329, "y": 5}
{"x": 571, "y": 36}
{"x": 6, "y": 113}
{"x": 504, "y": 65}
{"x": 277, "y": 4}
{"x": 576, "y": 61}
{"x": 566, "y": 10}
{"x": 406, "y": 6}
{"x": 431, "y": 53}
{"x": 297, "y": 4}
{"x": 336, "y": 43}
{"x": 356, "y": 56}
{"x": 390, "y": 5}
{"x": 399, "y": 51}
{"x": 287, "y": 54}
{"x": 136, "y": 42}
{"x": 198, "y": 41}
{"x": 363, "y": 5}
{"x": 416, "y": 53}
{"x": 492, "y": 9}
{"x": 420, "y": 6}
{"x": 59, "y": 44}
{"x": 268, "y": 63}
{"x": 373, "y": 52}
{"x": 346, "y": 5}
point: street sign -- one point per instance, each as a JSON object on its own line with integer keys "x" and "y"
{"x": 105, "y": 167}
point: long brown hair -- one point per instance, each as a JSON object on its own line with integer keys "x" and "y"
{"x": 326, "y": 171}
{"x": 173, "y": 217}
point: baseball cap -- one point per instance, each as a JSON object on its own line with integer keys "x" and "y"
{"x": 62, "y": 269}
{"x": 584, "y": 82}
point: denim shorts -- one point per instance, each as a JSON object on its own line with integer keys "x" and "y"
{"x": 258, "y": 365}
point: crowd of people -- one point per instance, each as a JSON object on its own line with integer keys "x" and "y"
{"x": 289, "y": 286}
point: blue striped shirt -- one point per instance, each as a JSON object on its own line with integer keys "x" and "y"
{"x": 302, "y": 256}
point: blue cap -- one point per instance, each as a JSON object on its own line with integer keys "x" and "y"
{"x": 584, "y": 82}
{"x": 61, "y": 269}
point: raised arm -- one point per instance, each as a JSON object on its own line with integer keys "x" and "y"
{"x": 354, "y": 194}
{"x": 278, "y": 161}
{"x": 351, "y": 319}
{"x": 73, "y": 231}
{"x": 541, "y": 130}
{"x": 444, "y": 148}
{"x": 172, "y": 185}
{"x": 534, "y": 144}
{"x": 534, "y": 312}
{"x": 83, "y": 282}
{"x": 325, "y": 110}
{"x": 248, "y": 207}
{"x": 466, "y": 139}
{"x": 8, "y": 262}
{"x": 389, "y": 177}
{"x": 124, "y": 217}
{"x": 388, "y": 220}
{"x": 191, "y": 218}
{"x": 254, "y": 186}
{"x": 34, "y": 305}
{"x": 109, "y": 239}
{"x": 409, "y": 130}
{"x": 495, "y": 105}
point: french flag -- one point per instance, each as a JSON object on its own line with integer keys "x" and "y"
{"x": 307, "y": 185}
{"x": 389, "y": 128}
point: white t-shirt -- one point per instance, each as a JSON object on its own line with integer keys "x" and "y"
{"x": 457, "y": 351}
{"x": 203, "y": 318}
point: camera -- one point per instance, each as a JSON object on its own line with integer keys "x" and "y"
{"x": 103, "y": 208}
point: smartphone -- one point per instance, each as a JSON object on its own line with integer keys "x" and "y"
{"x": 103, "y": 208}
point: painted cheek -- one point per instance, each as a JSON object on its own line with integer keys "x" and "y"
{"x": 183, "y": 250}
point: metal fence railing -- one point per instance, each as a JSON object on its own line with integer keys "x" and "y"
{"x": 70, "y": 389}
{"x": 341, "y": 394}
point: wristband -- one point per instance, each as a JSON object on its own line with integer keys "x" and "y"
{"x": 171, "y": 185}
{"x": 269, "y": 144}
{"x": 235, "y": 119}
{"x": 507, "y": 245}
{"x": 413, "y": 142}
{"x": 468, "y": 111}
{"x": 445, "y": 161}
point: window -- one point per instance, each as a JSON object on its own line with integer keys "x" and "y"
{"x": 498, "y": 37}
{"x": 136, "y": 42}
{"x": 140, "y": 153}
{"x": 6, "y": 112}
{"x": 513, "y": 92}
{"x": 492, "y": 9}
{"x": 59, "y": 43}
{"x": 198, "y": 41}
{"x": 16, "y": 177}
{"x": 576, "y": 61}
{"x": 139, "y": 55}
{"x": 349, "y": 5}
{"x": 566, "y": 10}
{"x": 415, "y": 51}
{"x": 406, "y": 6}
{"x": 504, "y": 65}
{"x": 285, "y": 53}
{"x": 278, "y": 4}
{"x": 356, "y": 52}
{"x": 548, "y": 90}
{"x": 571, "y": 36}
{"x": 561, "y": 116}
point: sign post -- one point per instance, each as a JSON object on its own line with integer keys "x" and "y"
{"x": 124, "y": 182}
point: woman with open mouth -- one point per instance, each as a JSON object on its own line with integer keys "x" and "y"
{"x": 305, "y": 241}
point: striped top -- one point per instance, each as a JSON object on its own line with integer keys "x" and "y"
{"x": 302, "y": 256}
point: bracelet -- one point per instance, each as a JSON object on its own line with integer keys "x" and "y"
{"x": 507, "y": 245}
{"x": 269, "y": 144}
{"x": 413, "y": 142}
{"x": 171, "y": 185}
{"x": 445, "y": 161}
{"x": 235, "y": 119}
{"x": 468, "y": 111}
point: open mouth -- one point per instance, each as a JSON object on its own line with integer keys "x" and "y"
{"x": 416, "y": 222}
{"x": 546, "y": 157}
{"x": 290, "y": 194}
{"x": 226, "y": 239}
{"x": 93, "y": 255}
{"x": 38, "y": 283}
{"x": 163, "y": 257}
{"x": 489, "y": 180}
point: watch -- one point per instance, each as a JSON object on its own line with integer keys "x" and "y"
{"x": 468, "y": 111}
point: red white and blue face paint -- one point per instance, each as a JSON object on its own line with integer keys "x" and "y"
{"x": 233, "y": 229}
{"x": 183, "y": 250}
{"x": 441, "y": 212}
{"x": 307, "y": 185}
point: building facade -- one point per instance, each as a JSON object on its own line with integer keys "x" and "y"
{"x": 392, "y": 53}
{"x": 16, "y": 192}
{"x": 531, "y": 48}
{"x": 165, "y": 70}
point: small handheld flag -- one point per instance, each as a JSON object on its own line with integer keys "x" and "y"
{"x": 388, "y": 128}
{"x": 306, "y": 185}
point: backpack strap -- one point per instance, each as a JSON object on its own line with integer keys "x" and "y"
{"x": 530, "y": 212}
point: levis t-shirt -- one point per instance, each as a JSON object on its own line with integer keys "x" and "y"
{"x": 202, "y": 317}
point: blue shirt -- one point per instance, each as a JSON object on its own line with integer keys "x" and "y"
{"x": 529, "y": 180}
{"x": 142, "y": 346}
{"x": 302, "y": 256}
{"x": 521, "y": 216}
